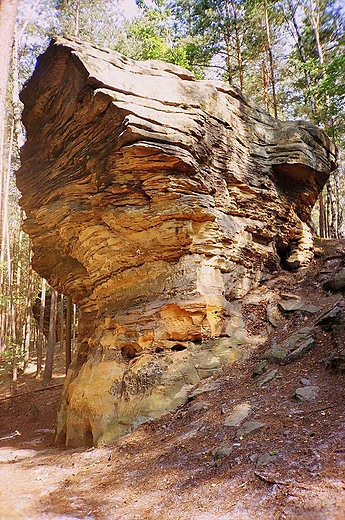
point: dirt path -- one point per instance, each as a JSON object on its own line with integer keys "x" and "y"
{"x": 166, "y": 470}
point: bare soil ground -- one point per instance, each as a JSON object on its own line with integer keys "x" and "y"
{"x": 169, "y": 468}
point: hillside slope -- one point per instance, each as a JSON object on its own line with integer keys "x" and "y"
{"x": 246, "y": 445}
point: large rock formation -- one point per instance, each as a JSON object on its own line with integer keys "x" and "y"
{"x": 156, "y": 201}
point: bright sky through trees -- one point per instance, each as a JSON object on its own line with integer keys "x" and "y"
{"x": 129, "y": 8}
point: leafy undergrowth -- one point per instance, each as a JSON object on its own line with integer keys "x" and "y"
{"x": 189, "y": 464}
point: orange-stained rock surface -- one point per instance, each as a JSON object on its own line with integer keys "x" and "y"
{"x": 156, "y": 201}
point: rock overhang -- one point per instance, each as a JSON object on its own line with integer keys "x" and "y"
{"x": 155, "y": 201}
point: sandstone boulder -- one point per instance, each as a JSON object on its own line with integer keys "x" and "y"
{"x": 155, "y": 201}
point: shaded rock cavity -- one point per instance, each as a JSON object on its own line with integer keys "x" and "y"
{"x": 155, "y": 201}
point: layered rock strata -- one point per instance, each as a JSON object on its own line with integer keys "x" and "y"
{"x": 156, "y": 201}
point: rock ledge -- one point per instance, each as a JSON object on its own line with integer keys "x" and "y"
{"x": 155, "y": 201}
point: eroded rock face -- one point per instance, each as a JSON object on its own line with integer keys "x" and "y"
{"x": 155, "y": 201}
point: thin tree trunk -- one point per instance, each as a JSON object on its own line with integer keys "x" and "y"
{"x": 40, "y": 329}
{"x": 12, "y": 314}
{"x": 17, "y": 124}
{"x": 62, "y": 320}
{"x": 270, "y": 55}
{"x": 68, "y": 332}
{"x": 313, "y": 12}
{"x": 314, "y": 17}
{"x": 74, "y": 324}
{"x": 332, "y": 225}
{"x": 19, "y": 313}
{"x": 5, "y": 252}
{"x": 296, "y": 35}
{"x": 227, "y": 38}
{"x": 11, "y": 333}
{"x": 77, "y": 17}
{"x": 265, "y": 81}
{"x": 322, "y": 219}
{"x": 14, "y": 373}
{"x": 238, "y": 44}
{"x": 28, "y": 327}
{"x": 339, "y": 201}
{"x": 29, "y": 17}
{"x": 8, "y": 13}
{"x": 228, "y": 61}
{"x": 48, "y": 369}
{"x": 5, "y": 242}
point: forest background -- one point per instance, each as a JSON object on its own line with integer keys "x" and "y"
{"x": 288, "y": 55}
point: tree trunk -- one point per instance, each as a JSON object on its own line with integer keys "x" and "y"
{"x": 28, "y": 314}
{"x": 68, "y": 332}
{"x": 18, "y": 282}
{"x": 265, "y": 81}
{"x": 228, "y": 60}
{"x": 270, "y": 55}
{"x": 48, "y": 369}
{"x": 74, "y": 322}
{"x": 8, "y": 13}
{"x": 11, "y": 334}
{"x": 301, "y": 51}
{"x": 340, "y": 202}
{"x": 17, "y": 122}
{"x": 12, "y": 314}
{"x": 62, "y": 320}
{"x": 14, "y": 374}
{"x": 5, "y": 235}
{"x": 77, "y": 17}
{"x": 332, "y": 209}
{"x": 314, "y": 15}
{"x": 322, "y": 218}
{"x": 238, "y": 44}
{"x": 5, "y": 251}
{"x": 28, "y": 18}
{"x": 40, "y": 329}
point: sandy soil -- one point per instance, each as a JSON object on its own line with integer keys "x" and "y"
{"x": 170, "y": 468}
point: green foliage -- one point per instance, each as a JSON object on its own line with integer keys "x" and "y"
{"x": 78, "y": 17}
{"x": 151, "y": 36}
{"x": 148, "y": 35}
{"x": 97, "y": 21}
{"x": 205, "y": 28}
{"x": 12, "y": 357}
{"x": 331, "y": 95}
{"x": 319, "y": 71}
